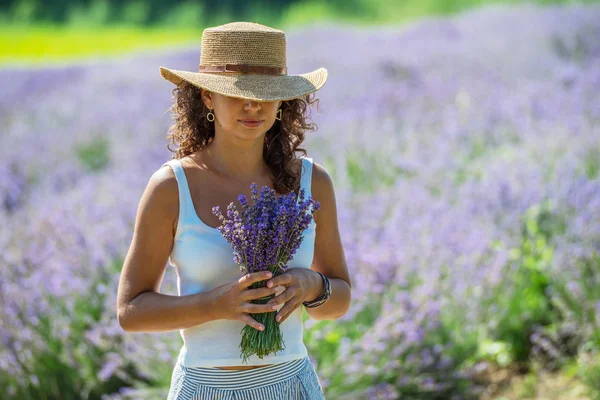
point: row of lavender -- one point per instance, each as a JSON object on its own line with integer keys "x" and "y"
{"x": 466, "y": 157}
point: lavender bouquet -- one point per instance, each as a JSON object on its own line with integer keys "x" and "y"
{"x": 265, "y": 236}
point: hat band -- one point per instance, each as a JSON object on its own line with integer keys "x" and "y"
{"x": 244, "y": 68}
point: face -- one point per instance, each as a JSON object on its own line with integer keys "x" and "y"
{"x": 236, "y": 115}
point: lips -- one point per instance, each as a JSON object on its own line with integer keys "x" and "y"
{"x": 251, "y": 123}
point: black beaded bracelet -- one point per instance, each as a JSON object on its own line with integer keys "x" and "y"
{"x": 324, "y": 297}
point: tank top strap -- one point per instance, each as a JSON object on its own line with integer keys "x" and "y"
{"x": 306, "y": 176}
{"x": 185, "y": 198}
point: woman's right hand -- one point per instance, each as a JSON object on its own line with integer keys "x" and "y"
{"x": 233, "y": 299}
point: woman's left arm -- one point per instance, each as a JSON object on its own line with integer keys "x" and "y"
{"x": 303, "y": 284}
{"x": 329, "y": 256}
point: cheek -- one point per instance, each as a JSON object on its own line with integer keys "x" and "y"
{"x": 227, "y": 118}
{"x": 274, "y": 111}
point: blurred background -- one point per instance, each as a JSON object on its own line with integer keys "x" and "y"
{"x": 463, "y": 138}
{"x": 43, "y": 30}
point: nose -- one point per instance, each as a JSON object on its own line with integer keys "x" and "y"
{"x": 251, "y": 105}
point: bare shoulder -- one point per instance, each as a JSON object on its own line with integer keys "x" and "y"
{"x": 164, "y": 177}
{"x": 163, "y": 185}
{"x": 322, "y": 189}
{"x": 163, "y": 174}
{"x": 166, "y": 190}
{"x": 321, "y": 179}
{"x": 159, "y": 203}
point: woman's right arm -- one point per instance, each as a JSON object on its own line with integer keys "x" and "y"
{"x": 140, "y": 306}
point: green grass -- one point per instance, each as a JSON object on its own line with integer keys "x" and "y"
{"x": 87, "y": 35}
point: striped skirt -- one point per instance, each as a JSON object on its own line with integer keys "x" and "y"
{"x": 290, "y": 380}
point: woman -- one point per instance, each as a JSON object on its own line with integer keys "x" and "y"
{"x": 239, "y": 120}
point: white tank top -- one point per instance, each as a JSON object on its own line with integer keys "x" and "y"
{"x": 204, "y": 260}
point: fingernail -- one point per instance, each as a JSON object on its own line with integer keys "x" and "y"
{"x": 278, "y": 318}
{"x": 270, "y": 284}
{"x": 262, "y": 328}
{"x": 275, "y": 308}
{"x": 269, "y": 274}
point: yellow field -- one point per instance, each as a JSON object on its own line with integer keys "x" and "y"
{"x": 39, "y": 43}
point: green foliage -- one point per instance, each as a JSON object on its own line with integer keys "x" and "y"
{"x": 326, "y": 350}
{"x": 325, "y": 345}
{"x": 96, "y": 14}
{"x": 577, "y": 50}
{"x": 23, "y": 11}
{"x": 70, "y": 368}
{"x": 523, "y": 300}
{"x": 186, "y": 15}
{"x": 95, "y": 154}
{"x": 151, "y": 12}
{"x": 498, "y": 352}
{"x": 308, "y": 12}
{"x": 469, "y": 163}
{"x": 580, "y": 306}
{"x": 592, "y": 163}
{"x": 392, "y": 11}
{"x": 136, "y": 12}
{"x": 528, "y": 388}
{"x": 361, "y": 167}
{"x": 324, "y": 341}
{"x": 589, "y": 372}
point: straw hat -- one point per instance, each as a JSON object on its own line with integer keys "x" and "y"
{"x": 247, "y": 60}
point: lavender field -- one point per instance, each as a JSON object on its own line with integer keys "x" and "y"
{"x": 465, "y": 154}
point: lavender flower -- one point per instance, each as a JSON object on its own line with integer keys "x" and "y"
{"x": 267, "y": 233}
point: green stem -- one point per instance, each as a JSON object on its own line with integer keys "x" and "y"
{"x": 262, "y": 343}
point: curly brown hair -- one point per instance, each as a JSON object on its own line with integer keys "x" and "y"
{"x": 193, "y": 132}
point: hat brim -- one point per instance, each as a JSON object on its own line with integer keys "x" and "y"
{"x": 251, "y": 86}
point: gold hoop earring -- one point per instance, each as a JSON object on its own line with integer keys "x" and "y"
{"x": 279, "y": 113}
{"x": 208, "y": 116}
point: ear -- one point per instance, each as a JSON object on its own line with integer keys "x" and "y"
{"x": 207, "y": 99}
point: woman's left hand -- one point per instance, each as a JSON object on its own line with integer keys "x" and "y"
{"x": 298, "y": 284}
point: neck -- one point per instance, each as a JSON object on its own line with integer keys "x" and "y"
{"x": 235, "y": 159}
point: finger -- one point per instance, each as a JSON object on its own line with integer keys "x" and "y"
{"x": 248, "y": 279}
{"x": 252, "y": 294}
{"x": 286, "y": 311}
{"x": 251, "y": 322}
{"x": 282, "y": 280}
{"x": 287, "y": 301}
{"x": 282, "y": 297}
{"x": 258, "y": 308}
